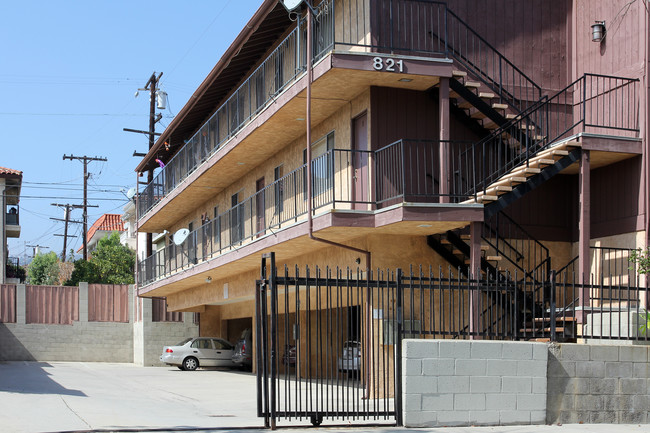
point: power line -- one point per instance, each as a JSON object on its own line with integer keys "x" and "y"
{"x": 85, "y": 160}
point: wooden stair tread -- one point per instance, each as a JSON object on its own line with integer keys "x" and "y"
{"x": 557, "y": 319}
{"x": 493, "y": 258}
{"x": 457, "y": 74}
{"x": 486, "y": 95}
{"x": 472, "y": 84}
{"x": 498, "y": 106}
{"x": 478, "y": 115}
{"x": 465, "y": 105}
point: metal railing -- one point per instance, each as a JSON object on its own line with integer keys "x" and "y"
{"x": 341, "y": 179}
{"x": 580, "y": 107}
{"x": 414, "y": 27}
{"x": 12, "y": 215}
{"x": 486, "y": 63}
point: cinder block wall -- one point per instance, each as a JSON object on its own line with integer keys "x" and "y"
{"x": 138, "y": 342}
{"x": 81, "y": 341}
{"x": 448, "y": 383}
{"x": 150, "y": 337}
{"x": 598, "y": 384}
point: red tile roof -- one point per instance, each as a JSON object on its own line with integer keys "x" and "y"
{"x": 4, "y": 170}
{"x": 109, "y": 222}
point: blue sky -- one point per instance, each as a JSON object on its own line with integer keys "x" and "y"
{"x": 68, "y": 74}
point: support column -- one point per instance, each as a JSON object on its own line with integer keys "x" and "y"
{"x": 443, "y": 107}
{"x": 584, "y": 228}
{"x": 83, "y": 302}
{"x": 21, "y": 305}
{"x": 475, "y": 274}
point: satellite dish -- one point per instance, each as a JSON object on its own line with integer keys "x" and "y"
{"x": 180, "y": 236}
{"x": 131, "y": 193}
{"x": 291, "y": 5}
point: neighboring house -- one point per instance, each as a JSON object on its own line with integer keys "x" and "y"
{"x": 501, "y": 130}
{"x": 10, "y": 183}
{"x": 129, "y": 235}
{"x": 105, "y": 225}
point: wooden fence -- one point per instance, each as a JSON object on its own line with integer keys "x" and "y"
{"x": 51, "y": 304}
{"x": 7, "y": 303}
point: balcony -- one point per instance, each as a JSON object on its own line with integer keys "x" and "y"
{"x": 340, "y": 26}
{"x": 354, "y": 184}
{"x": 12, "y": 221}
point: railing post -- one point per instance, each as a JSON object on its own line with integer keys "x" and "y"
{"x": 552, "y": 306}
{"x": 398, "y": 349}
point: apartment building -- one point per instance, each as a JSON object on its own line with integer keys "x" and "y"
{"x": 492, "y": 137}
{"x": 10, "y": 183}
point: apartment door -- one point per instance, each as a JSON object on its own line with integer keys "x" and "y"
{"x": 360, "y": 189}
{"x": 260, "y": 206}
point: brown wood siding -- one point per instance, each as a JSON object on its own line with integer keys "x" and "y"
{"x": 406, "y": 114}
{"x": 615, "y": 198}
{"x": 532, "y": 34}
{"x": 51, "y": 304}
{"x": 7, "y": 303}
{"x": 159, "y": 312}
{"x": 108, "y": 303}
{"x": 550, "y": 212}
{"x": 622, "y": 51}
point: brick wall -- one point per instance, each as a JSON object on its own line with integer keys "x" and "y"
{"x": 598, "y": 384}
{"x": 473, "y": 383}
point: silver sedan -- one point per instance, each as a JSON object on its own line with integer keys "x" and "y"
{"x": 193, "y": 353}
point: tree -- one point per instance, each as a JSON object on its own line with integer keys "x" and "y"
{"x": 641, "y": 258}
{"x": 44, "y": 269}
{"x": 110, "y": 263}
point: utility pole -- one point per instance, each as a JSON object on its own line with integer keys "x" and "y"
{"x": 85, "y": 160}
{"x": 67, "y": 220}
{"x": 36, "y": 248}
{"x": 152, "y": 87}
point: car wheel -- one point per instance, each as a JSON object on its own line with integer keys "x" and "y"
{"x": 190, "y": 364}
{"x": 180, "y": 367}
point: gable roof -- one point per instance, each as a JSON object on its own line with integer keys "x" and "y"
{"x": 108, "y": 222}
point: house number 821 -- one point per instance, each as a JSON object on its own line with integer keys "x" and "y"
{"x": 389, "y": 65}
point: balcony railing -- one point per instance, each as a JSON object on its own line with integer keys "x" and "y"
{"x": 405, "y": 171}
{"x": 12, "y": 215}
{"x": 408, "y": 27}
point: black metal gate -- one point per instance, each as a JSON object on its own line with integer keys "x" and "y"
{"x": 328, "y": 346}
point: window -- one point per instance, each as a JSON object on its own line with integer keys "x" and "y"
{"x": 322, "y": 165}
{"x": 202, "y": 343}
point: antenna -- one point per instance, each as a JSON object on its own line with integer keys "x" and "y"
{"x": 180, "y": 236}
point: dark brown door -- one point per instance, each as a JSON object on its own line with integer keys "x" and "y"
{"x": 260, "y": 206}
{"x": 360, "y": 189}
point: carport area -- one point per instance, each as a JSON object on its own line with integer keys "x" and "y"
{"x": 73, "y": 396}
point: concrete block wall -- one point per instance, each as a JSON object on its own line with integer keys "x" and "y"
{"x": 81, "y": 341}
{"x": 134, "y": 342}
{"x": 150, "y": 337}
{"x": 598, "y": 384}
{"x": 447, "y": 383}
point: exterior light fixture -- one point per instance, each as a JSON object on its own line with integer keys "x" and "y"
{"x": 424, "y": 226}
{"x": 291, "y": 5}
{"x": 405, "y": 80}
{"x": 208, "y": 280}
{"x": 598, "y": 31}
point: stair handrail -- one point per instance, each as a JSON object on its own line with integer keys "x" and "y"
{"x": 528, "y": 273}
{"x": 524, "y": 82}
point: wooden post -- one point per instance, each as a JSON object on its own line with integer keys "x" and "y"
{"x": 584, "y": 228}
{"x": 475, "y": 274}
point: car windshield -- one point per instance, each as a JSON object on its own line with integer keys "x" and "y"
{"x": 184, "y": 342}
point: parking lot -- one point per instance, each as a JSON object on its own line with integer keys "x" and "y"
{"x": 71, "y": 396}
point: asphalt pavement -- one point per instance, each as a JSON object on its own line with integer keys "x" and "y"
{"x": 38, "y": 397}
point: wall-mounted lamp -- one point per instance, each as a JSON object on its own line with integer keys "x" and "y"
{"x": 208, "y": 280}
{"x": 598, "y": 31}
